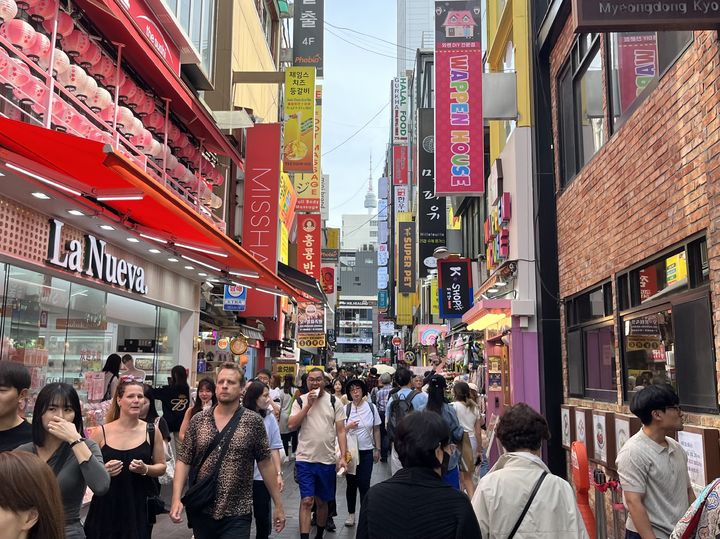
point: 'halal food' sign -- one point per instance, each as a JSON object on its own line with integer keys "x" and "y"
{"x": 92, "y": 260}
{"x": 635, "y": 15}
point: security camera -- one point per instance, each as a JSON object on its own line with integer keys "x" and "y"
{"x": 207, "y": 287}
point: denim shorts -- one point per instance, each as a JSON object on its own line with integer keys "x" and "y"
{"x": 316, "y": 479}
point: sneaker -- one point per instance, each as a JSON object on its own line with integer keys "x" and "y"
{"x": 350, "y": 521}
{"x": 330, "y": 525}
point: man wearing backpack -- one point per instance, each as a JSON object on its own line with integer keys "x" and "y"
{"x": 399, "y": 405}
{"x": 322, "y": 420}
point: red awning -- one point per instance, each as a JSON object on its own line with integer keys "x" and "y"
{"x": 93, "y": 169}
{"x": 119, "y": 28}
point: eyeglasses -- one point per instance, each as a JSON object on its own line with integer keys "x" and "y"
{"x": 675, "y": 407}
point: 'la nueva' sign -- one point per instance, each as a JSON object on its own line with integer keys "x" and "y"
{"x": 638, "y": 15}
{"x": 93, "y": 261}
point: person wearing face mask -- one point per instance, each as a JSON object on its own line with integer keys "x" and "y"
{"x": 58, "y": 440}
{"x": 519, "y": 497}
{"x": 422, "y": 442}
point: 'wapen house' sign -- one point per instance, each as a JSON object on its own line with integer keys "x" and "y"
{"x": 637, "y": 15}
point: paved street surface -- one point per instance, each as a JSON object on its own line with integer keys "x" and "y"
{"x": 165, "y": 529}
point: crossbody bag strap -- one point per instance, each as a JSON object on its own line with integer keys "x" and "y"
{"x": 231, "y": 431}
{"x": 527, "y": 505}
{"x": 219, "y": 437}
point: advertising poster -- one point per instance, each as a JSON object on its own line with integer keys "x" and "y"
{"x": 637, "y": 65}
{"x": 308, "y": 24}
{"x": 309, "y": 186}
{"x": 455, "y": 283}
{"x": 400, "y": 110}
{"x": 692, "y": 443}
{"x": 308, "y": 245}
{"x": 407, "y": 263}
{"x": 261, "y": 217}
{"x": 299, "y": 135}
{"x": 311, "y": 324}
{"x": 459, "y": 147}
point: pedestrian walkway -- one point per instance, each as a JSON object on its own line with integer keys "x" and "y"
{"x": 165, "y": 529}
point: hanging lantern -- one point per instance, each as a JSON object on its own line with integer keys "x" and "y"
{"x": 103, "y": 69}
{"x": 155, "y": 122}
{"x": 128, "y": 89}
{"x": 171, "y": 162}
{"x": 80, "y": 125}
{"x": 142, "y": 140}
{"x": 18, "y": 32}
{"x": 61, "y": 62}
{"x": 8, "y": 10}
{"x": 76, "y": 43}
{"x": 61, "y": 113}
{"x": 91, "y": 56}
{"x": 155, "y": 149}
{"x": 74, "y": 78}
{"x": 145, "y": 106}
{"x": 117, "y": 74}
{"x": 90, "y": 88}
{"x": 43, "y": 9}
{"x": 4, "y": 61}
{"x": 182, "y": 142}
{"x": 134, "y": 127}
{"x": 218, "y": 177}
{"x": 17, "y": 73}
{"x": 173, "y": 134}
{"x": 178, "y": 172}
{"x": 41, "y": 48}
{"x": 124, "y": 118}
{"x": 100, "y": 100}
{"x": 31, "y": 92}
{"x": 65, "y": 26}
{"x": 108, "y": 113}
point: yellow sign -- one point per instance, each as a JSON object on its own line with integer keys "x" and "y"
{"x": 309, "y": 186}
{"x": 404, "y": 309}
{"x": 434, "y": 297}
{"x": 675, "y": 268}
{"x": 288, "y": 200}
{"x": 284, "y": 244}
{"x": 300, "y": 119}
{"x": 283, "y": 368}
{"x": 453, "y": 222}
{"x": 333, "y": 238}
{"x": 311, "y": 340}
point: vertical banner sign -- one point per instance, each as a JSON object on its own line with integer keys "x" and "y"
{"x": 400, "y": 165}
{"x": 325, "y": 197}
{"x": 432, "y": 218}
{"x": 311, "y": 324}
{"x": 288, "y": 200}
{"x": 309, "y": 246}
{"x": 406, "y": 243}
{"x": 308, "y": 26}
{"x": 455, "y": 284}
{"x": 328, "y": 279}
{"x": 637, "y": 65}
{"x": 402, "y": 199}
{"x": 299, "y": 134}
{"x": 261, "y": 216}
{"x": 459, "y": 147}
{"x": 400, "y": 110}
{"x": 434, "y": 297}
{"x": 308, "y": 186}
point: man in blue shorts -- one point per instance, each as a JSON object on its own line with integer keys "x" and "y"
{"x": 321, "y": 420}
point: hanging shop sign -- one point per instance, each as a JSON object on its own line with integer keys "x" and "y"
{"x": 382, "y": 232}
{"x": 432, "y": 224}
{"x": 299, "y": 135}
{"x": 261, "y": 212}
{"x": 382, "y": 277}
{"x": 434, "y": 296}
{"x": 459, "y": 147}
{"x": 402, "y": 198}
{"x": 92, "y": 260}
{"x": 382, "y": 210}
{"x": 288, "y": 200}
{"x": 383, "y": 187}
{"x": 332, "y": 236}
{"x": 387, "y": 327}
{"x": 349, "y": 303}
{"x": 330, "y": 255}
{"x": 234, "y": 298}
{"x": 311, "y": 324}
{"x": 400, "y": 110}
{"x": 430, "y": 334}
{"x": 383, "y": 255}
{"x": 152, "y": 30}
{"x": 407, "y": 255}
{"x": 309, "y": 244}
{"x": 497, "y": 232}
{"x": 308, "y": 23}
{"x": 634, "y": 15}
{"x": 328, "y": 279}
{"x": 309, "y": 186}
{"x": 400, "y": 164}
{"x": 325, "y": 196}
{"x": 383, "y": 300}
{"x": 455, "y": 284}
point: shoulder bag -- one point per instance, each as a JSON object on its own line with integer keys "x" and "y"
{"x": 201, "y": 494}
{"x": 527, "y": 505}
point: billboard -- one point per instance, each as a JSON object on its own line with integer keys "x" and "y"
{"x": 308, "y": 186}
{"x": 308, "y": 21}
{"x": 432, "y": 220}
{"x": 299, "y": 136}
{"x": 407, "y": 257}
{"x": 308, "y": 244}
{"x": 455, "y": 284}
{"x": 400, "y": 110}
{"x": 459, "y": 147}
{"x": 261, "y": 211}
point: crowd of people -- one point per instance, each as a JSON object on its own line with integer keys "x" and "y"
{"x": 223, "y": 452}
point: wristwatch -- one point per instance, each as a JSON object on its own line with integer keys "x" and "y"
{"x": 79, "y": 440}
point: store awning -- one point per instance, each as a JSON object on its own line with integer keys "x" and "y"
{"x": 486, "y": 312}
{"x": 138, "y": 52}
{"x": 302, "y": 282}
{"x": 66, "y": 164}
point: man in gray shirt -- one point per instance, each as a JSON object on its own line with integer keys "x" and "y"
{"x": 653, "y": 466}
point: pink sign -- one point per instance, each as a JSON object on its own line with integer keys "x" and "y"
{"x": 637, "y": 65}
{"x": 400, "y": 165}
{"x": 459, "y": 147}
{"x": 164, "y": 46}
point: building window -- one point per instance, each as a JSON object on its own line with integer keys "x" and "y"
{"x": 667, "y": 332}
{"x": 637, "y": 61}
{"x": 197, "y": 19}
{"x": 591, "y": 344}
{"x": 267, "y": 23}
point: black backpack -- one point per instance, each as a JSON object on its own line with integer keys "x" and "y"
{"x": 348, "y": 408}
{"x": 400, "y": 408}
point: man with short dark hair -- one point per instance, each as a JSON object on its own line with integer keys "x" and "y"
{"x": 231, "y": 514}
{"x": 653, "y": 467}
{"x": 264, "y": 376}
{"x": 379, "y": 397}
{"x": 14, "y": 386}
{"x": 321, "y": 419}
{"x": 372, "y": 379}
{"x": 417, "y": 399}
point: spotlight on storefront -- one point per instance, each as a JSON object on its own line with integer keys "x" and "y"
{"x": 441, "y": 253}
{"x": 485, "y": 321}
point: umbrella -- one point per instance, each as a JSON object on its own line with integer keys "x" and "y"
{"x": 382, "y": 368}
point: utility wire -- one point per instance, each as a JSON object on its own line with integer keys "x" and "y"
{"x": 366, "y": 49}
{"x": 345, "y": 234}
{"x": 370, "y": 36}
{"x": 358, "y": 131}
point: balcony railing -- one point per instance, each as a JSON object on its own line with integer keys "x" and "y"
{"x": 77, "y": 87}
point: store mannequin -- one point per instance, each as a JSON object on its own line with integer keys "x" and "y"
{"x": 129, "y": 371}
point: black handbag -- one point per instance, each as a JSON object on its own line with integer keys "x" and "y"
{"x": 154, "y": 503}
{"x": 201, "y": 494}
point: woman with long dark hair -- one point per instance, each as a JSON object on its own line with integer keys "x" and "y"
{"x": 130, "y": 457}
{"x": 57, "y": 432}
{"x": 438, "y": 404}
{"x": 112, "y": 375}
{"x": 175, "y": 398}
{"x": 30, "y": 498}
{"x": 205, "y": 398}
{"x": 257, "y": 399}
{"x": 289, "y": 438}
{"x": 468, "y": 413}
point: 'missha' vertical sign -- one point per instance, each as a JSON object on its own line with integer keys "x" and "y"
{"x": 459, "y": 147}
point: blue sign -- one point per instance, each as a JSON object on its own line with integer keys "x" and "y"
{"x": 234, "y": 298}
{"x": 382, "y": 299}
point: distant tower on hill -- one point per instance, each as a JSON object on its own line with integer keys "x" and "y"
{"x": 370, "y": 198}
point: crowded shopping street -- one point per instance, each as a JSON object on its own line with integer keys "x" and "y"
{"x": 395, "y": 269}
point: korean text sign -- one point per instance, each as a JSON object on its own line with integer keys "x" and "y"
{"x": 308, "y": 24}
{"x": 309, "y": 186}
{"x": 309, "y": 246}
{"x": 299, "y": 138}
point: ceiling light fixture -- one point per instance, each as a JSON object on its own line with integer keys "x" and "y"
{"x": 133, "y": 240}
{"x": 77, "y": 213}
{"x": 208, "y": 266}
{"x": 201, "y": 250}
{"x": 493, "y": 290}
{"x": 107, "y": 227}
{"x": 189, "y": 268}
{"x": 500, "y": 283}
{"x": 153, "y": 238}
{"x": 248, "y": 274}
{"x": 41, "y": 196}
{"x": 154, "y": 251}
{"x": 119, "y": 197}
{"x": 244, "y": 285}
{"x": 201, "y": 274}
{"x": 172, "y": 260}
{"x": 44, "y": 180}
{"x": 271, "y": 291}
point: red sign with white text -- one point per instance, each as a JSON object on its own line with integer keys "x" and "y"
{"x": 261, "y": 212}
{"x": 309, "y": 247}
{"x": 328, "y": 279}
{"x": 400, "y": 165}
{"x": 146, "y": 20}
{"x": 459, "y": 147}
